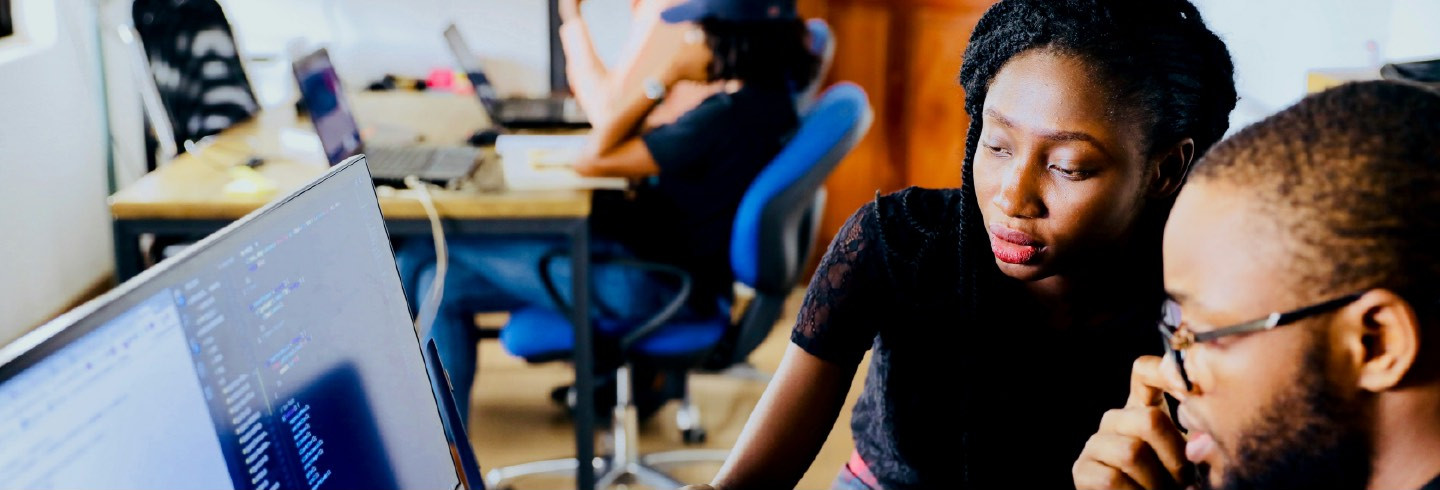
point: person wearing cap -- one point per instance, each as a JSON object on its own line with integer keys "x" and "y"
{"x": 691, "y": 174}
{"x": 649, "y": 42}
{"x": 751, "y": 53}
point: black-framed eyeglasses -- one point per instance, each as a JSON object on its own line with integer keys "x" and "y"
{"x": 1179, "y": 337}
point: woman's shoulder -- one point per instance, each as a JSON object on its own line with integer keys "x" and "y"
{"x": 905, "y": 236}
{"x": 914, "y": 220}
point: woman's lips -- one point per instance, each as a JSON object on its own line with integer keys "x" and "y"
{"x": 1013, "y": 247}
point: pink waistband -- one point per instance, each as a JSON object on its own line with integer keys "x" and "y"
{"x": 858, "y": 468}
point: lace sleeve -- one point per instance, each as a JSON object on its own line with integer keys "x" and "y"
{"x": 839, "y": 317}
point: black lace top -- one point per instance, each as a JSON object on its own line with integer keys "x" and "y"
{"x": 957, "y": 398}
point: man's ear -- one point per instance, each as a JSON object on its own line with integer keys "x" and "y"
{"x": 1382, "y": 338}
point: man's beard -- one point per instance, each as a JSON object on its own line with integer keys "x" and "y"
{"x": 1307, "y": 437}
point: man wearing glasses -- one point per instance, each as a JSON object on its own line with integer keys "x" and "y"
{"x": 1303, "y": 331}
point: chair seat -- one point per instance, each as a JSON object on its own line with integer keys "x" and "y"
{"x": 543, "y": 333}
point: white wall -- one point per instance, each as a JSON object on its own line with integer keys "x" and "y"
{"x": 54, "y": 226}
{"x": 1274, "y": 43}
{"x": 370, "y": 38}
{"x": 367, "y": 39}
{"x": 55, "y": 238}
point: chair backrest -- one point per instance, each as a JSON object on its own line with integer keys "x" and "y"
{"x": 763, "y": 251}
{"x": 776, "y": 220}
{"x": 192, "y": 56}
{"x": 822, "y": 44}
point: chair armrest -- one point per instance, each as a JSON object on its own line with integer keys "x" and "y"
{"x": 651, "y": 324}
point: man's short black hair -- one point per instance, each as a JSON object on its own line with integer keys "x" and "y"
{"x": 1352, "y": 176}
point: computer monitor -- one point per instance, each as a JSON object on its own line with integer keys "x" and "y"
{"x": 324, "y": 100}
{"x": 277, "y": 353}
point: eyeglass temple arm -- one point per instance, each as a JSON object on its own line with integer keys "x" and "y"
{"x": 1266, "y": 323}
{"x": 1277, "y": 319}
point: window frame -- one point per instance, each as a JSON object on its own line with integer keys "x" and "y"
{"x": 7, "y": 18}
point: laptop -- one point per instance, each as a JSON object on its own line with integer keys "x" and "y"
{"x": 516, "y": 113}
{"x": 276, "y": 353}
{"x": 324, "y": 99}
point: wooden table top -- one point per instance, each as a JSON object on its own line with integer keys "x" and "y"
{"x": 206, "y": 184}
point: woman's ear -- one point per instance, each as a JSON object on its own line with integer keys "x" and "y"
{"x": 1171, "y": 168}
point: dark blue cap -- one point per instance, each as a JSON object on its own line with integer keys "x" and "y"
{"x": 730, "y": 10}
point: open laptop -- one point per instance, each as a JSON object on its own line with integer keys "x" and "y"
{"x": 324, "y": 99}
{"x": 519, "y": 113}
{"x": 277, "y": 353}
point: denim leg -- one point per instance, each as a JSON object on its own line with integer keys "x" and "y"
{"x": 455, "y": 337}
{"x": 452, "y": 326}
{"x": 511, "y": 265}
{"x": 484, "y": 274}
{"x": 412, "y": 255}
{"x": 623, "y": 295}
{"x": 502, "y": 274}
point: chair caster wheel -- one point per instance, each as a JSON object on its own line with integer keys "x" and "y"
{"x": 693, "y": 436}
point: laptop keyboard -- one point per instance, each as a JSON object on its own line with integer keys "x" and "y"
{"x": 400, "y": 161}
{"x": 453, "y": 161}
{"x": 432, "y": 163}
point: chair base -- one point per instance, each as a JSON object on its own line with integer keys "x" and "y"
{"x": 626, "y": 465}
{"x": 644, "y": 472}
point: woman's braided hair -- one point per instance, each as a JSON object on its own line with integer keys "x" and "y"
{"x": 1159, "y": 61}
{"x": 1157, "y": 56}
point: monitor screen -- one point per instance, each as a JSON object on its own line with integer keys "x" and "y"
{"x": 324, "y": 100}
{"x": 279, "y": 353}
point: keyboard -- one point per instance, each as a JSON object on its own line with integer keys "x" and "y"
{"x": 433, "y": 164}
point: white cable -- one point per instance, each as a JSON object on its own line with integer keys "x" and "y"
{"x": 430, "y": 305}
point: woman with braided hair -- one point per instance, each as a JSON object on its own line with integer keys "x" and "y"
{"x": 1002, "y": 317}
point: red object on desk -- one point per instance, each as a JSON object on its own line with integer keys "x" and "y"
{"x": 441, "y": 79}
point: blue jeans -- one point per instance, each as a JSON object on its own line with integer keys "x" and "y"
{"x": 503, "y": 274}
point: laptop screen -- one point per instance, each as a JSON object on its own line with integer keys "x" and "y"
{"x": 469, "y": 62}
{"x": 324, "y": 99}
{"x": 278, "y": 353}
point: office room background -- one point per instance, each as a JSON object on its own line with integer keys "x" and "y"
{"x": 72, "y": 130}
{"x": 55, "y": 163}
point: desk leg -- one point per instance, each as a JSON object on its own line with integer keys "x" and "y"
{"x": 128, "y": 261}
{"x": 584, "y": 358}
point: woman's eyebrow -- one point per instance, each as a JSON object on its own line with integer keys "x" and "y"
{"x": 1052, "y": 135}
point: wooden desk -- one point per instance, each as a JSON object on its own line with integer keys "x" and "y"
{"x": 193, "y": 186}
{"x": 188, "y": 197}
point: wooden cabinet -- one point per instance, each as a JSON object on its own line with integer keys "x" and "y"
{"x": 906, "y": 54}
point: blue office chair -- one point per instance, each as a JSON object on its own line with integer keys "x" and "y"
{"x": 822, "y": 44}
{"x": 772, "y": 236}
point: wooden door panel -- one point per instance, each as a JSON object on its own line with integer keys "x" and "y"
{"x": 935, "y": 120}
{"x": 863, "y": 41}
{"x": 906, "y": 54}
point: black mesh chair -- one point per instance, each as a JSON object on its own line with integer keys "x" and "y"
{"x": 193, "y": 81}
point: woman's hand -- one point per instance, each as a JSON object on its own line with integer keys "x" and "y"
{"x": 569, "y": 10}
